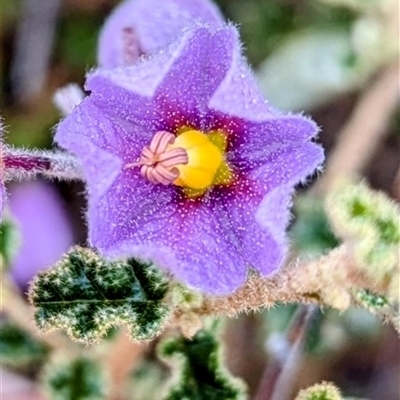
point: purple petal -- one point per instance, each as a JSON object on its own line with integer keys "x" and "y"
{"x": 259, "y": 225}
{"x": 178, "y": 89}
{"x": 285, "y": 165}
{"x": 238, "y": 94}
{"x": 138, "y": 202}
{"x": 44, "y": 228}
{"x": 184, "y": 239}
{"x": 152, "y": 24}
{"x": 86, "y": 133}
{"x": 277, "y": 131}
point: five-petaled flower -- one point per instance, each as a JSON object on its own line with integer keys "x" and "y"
{"x": 187, "y": 165}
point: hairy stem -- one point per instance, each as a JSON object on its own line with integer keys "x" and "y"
{"x": 22, "y": 164}
{"x": 326, "y": 281}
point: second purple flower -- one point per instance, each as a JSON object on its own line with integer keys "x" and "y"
{"x": 187, "y": 165}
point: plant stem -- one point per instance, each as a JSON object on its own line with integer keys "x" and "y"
{"x": 20, "y": 164}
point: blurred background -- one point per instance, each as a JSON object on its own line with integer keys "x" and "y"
{"x": 335, "y": 60}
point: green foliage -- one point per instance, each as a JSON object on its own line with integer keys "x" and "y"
{"x": 17, "y": 348}
{"x": 9, "y": 242}
{"x": 311, "y": 233}
{"x": 370, "y": 221}
{"x": 200, "y": 373}
{"x": 322, "y": 391}
{"x": 380, "y": 306}
{"x": 80, "y": 379}
{"x": 371, "y": 300}
{"x": 87, "y": 296}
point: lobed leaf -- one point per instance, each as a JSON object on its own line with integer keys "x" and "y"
{"x": 200, "y": 374}
{"x": 369, "y": 220}
{"x": 86, "y": 296}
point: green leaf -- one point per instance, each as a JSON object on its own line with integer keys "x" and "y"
{"x": 17, "y": 348}
{"x": 200, "y": 374}
{"x": 369, "y": 220}
{"x": 86, "y": 296}
{"x": 80, "y": 379}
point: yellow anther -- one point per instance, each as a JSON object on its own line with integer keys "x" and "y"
{"x": 205, "y": 158}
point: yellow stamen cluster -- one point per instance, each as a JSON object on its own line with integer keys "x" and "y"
{"x": 206, "y": 163}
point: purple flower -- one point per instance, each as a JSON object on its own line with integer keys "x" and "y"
{"x": 187, "y": 165}
{"x": 43, "y": 226}
{"x": 139, "y": 27}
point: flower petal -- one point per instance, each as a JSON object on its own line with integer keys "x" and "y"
{"x": 238, "y": 94}
{"x": 96, "y": 140}
{"x": 258, "y": 224}
{"x": 185, "y": 240}
{"x": 277, "y": 131}
{"x": 279, "y": 164}
{"x": 128, "y": 210}
{"x": 180, "y": 91}
{"x": 44, "y": 227}
{"x": 153, "y": 23}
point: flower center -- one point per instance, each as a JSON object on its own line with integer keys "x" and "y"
{"x": 192, "y": 160}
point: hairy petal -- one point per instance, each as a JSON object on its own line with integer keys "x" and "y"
{"x": 238, "y": 94}
{"x": 142, "y": 207}
{"x": 282, "y": 165}
{"x": 153, "y": 24}
{"x": 261, "y": 241}
{"x": 189, "y": 242}
{"x": 277, "y": 131}
{"x": 166, "y": 88}
{"x": 93, "y": 137}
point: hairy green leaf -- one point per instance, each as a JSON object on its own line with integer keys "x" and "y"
{"x": 369, "y": 220}
{"x": 200, "y": 373}
{"x": 86, "y": 296}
